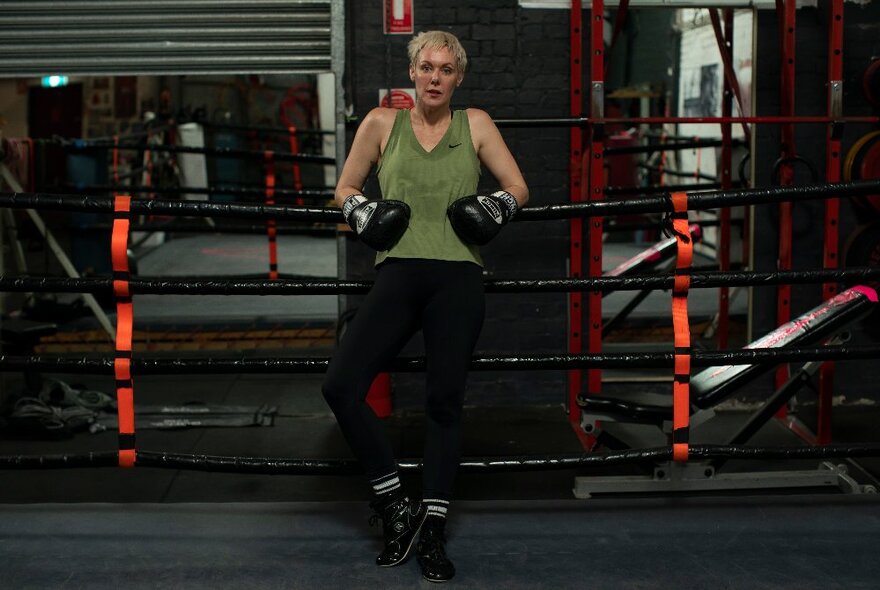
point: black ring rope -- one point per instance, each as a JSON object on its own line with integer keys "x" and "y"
{"x": 583, "y": 122}
{"x": 613, "y": 191}
{"x": 151, "y": 128}
{"x": 220, "y": 152}
{"x": 656, "y": 204}
{"x": 201, "y": 227}
{"x": 158, "y": 128}
{"x": 669, "y": 147}
{"x": 95, "y": 204}
{"x": 185, "y": 226}
{"x": 547, "y": 362}
{"x": 215, "y": 190}
{"x": 261, "y": 128}
{"x": 679, "y": 173}
{"x": 698, "y": 201}
{"x": 613, "y": 226}
{"x": 320, "y": 286}
{"x": 287, "y": 466}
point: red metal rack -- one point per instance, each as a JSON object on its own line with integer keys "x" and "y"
{"x": 587, "y": 174}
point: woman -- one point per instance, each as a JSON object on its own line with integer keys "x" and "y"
{"x": 426, "y": 229}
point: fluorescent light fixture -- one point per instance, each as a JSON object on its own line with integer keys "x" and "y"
{"x": 54, "y": 81}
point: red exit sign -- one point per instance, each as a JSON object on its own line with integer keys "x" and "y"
{"x": 398, "y": 17}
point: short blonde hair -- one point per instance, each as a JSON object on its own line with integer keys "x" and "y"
{"x": 437, "y": 40}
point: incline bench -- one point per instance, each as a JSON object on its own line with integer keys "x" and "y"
{"x": 715, "y": 384}
{"x": 659, "y": 257}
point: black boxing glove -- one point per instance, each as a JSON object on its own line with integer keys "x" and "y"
{"x": 478, "y": 218}
{"x": 378, "y": 224}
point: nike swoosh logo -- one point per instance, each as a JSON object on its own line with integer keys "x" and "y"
{"x": 455, "y": 145}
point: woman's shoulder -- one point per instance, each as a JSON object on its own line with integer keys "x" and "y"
{"x": 381, "y": 117}
{"x": 478, "y": 119}
{"x": 481, "y": 125}
{"x": 478, "y": 115}
{"x": 377, "y": 126}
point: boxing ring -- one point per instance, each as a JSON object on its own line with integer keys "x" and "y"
{"x": 663, "y": 514}
{"x": 510, "y": 542}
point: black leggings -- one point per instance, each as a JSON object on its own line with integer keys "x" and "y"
{"x": 444, "y": 299}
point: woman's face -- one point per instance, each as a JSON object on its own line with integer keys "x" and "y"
{"x": 435, "y": 76}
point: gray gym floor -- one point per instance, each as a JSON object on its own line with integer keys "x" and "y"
{"x": 719, "y": 543}
{"x": 237, "y": 255}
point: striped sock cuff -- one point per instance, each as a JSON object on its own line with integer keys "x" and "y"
{"x": 436, "y": 507}
{"x": 385, "y": 484}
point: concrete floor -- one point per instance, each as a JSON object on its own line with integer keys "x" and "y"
{"x": 237, "y": 255}
{"x": 803, "y": 543}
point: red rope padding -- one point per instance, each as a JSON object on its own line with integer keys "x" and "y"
{"x": 271, "y": 230}
{"x": 681, "y": 401}
{"x": 297, "y": 173}
{"x": 124, "y": 330}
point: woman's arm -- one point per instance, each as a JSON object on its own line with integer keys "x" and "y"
{"x": 366, "y": 149}
{"x": 493, "y": 153}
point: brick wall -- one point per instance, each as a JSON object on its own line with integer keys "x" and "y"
{"x": 518, "y": 66}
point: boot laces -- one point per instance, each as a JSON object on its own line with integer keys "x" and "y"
{"x": 386, "y": 512}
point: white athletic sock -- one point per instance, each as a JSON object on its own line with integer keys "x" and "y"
{"x": 386, "y": 486}
{"x": 436, "y": 507}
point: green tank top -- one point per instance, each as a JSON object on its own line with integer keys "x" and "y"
{"x": 429, "y": 182}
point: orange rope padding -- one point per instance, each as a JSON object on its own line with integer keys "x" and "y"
{"x": 297, "y": 173}
{"x": 271, "y": 230}
{"x": 681, "y": 402}
{"x": 124, "y": 329}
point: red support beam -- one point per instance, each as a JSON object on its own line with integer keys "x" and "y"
{"x": 725, "y": 48}
{"x": 597, "y": 185}
{"x": 832, "y": 206}
{"x": 575, "y": 270}
{"x": 731, "y": 87}
{"x": 593, "y": 166}
{"x": 786, "y": 13}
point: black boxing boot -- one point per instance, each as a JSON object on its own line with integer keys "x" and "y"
{"x": 431, "y": 551}
{"x": 401, "y": 520}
